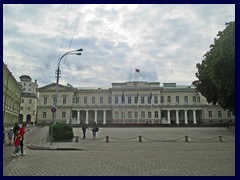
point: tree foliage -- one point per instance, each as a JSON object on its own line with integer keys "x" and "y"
{"x": 216, "y": 73}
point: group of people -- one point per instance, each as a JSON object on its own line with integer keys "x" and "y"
{"x": 18, "y": 136}
{"x": 94, "y": 129}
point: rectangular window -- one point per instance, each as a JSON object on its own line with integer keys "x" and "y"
{"x": 63, "y": 114}
{"x": 21, "y": 108}
{"x": 101, "y": 100}
{"x": 149, "y": 114}
{"x": 77, "y": 100}
{"x": 109, "y": 100}
{"x": 142, "y": 100}
{"x": 30, "y": 101}
{"x": 136, "y": 114}
{"x": 22, "y": 100}
{"x": 45, "y": 101}
{"x": 149, "y": 100}
{"x": 93, "y": 100}
{"x": 210, "y": 114}
{"x": 219, "y": 114}
{"x": 129, "y": 114}
{"x": 155, "y": 100}
{"x": 116, "y": 100}
{"x": 44, "y": 114}
{"x": 74, "y": 100}
{"x": 129, "y": 100}
{"x": 142, "y": 114}
{"x": 156, "y": 114}
{"x": 85, "y": 100}
{"x": 64, "y": 100}
{"x": 136, "y": 100}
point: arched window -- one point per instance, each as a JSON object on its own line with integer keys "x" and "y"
{"x": 101, "y": 100}
{"x": 169, "y": 99}
{"x": 194, "y": 99}
{"x": 177, "y": 99}
{"x": 77, "y": 100}
{"x": 162, "y": 99}
{"x": 85, "y": 100}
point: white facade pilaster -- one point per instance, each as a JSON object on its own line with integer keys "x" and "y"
{"x": 86, "y": 116}
{"x": 95, "y": 116}
{"x": 104, "y": 117}
{"x": 194, "y": 117}
{"x": 168, "y": 116}
{"x": 185, "y": 117}
{"x": 78, "y": 117}
{"x": 177, "y": 117}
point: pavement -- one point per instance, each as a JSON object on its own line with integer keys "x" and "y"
{"x": 142, "y": 151}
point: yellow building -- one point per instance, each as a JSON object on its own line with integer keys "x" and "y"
{"x": 11, "y": 97}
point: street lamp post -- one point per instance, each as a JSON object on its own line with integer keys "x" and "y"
{"x": 54, "y": 108}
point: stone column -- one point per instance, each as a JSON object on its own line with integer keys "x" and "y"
{"x": 95, "y": 116}
{"x": 186, "y": 119}
{"x": 168, "y": 116}
{"x": 86, "y": 116}
{"x": 104, "y": 117}
{"x": 194, "y": 117}
{"x": 177, "y": 117}
{"x": 78, "y": 117}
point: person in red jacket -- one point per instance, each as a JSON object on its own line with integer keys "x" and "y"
{"x": 17, "y": 145}
{"x": 22, "y": 132}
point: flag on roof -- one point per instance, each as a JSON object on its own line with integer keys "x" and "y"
{"x": 137, "y": 70}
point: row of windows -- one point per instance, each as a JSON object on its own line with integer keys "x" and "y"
{"x": 45, "y": 115}
{"x": 219, "y": 114}
{"x": 29, "y": 101}
{"x": 129, "y": 100}
{"x": 130, "y": 114}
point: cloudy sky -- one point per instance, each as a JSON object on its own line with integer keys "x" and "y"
{"x": 163, "y": 41}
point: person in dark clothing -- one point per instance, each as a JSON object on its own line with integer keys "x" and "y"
{"x": 95, "y": 129}
{"x": 84, "y": 128}
{"x": 15, "y": 131}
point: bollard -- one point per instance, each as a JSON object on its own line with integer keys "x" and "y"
{"x": 76, "y": 140}
{"x": 220, "y": 138}
{"x": 140, "y": 138}
{"x": 107, "y": 139}
{"x": 186, "y": 138}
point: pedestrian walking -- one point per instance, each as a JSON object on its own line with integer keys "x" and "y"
{"x": 95, "y": 129}
{"x": 10, "y": 136}
{"x": 22, "y": 132}
{"x": 15, "y": 130}
{"x": 84, "y": 128}
{"x": 17, "y": 141}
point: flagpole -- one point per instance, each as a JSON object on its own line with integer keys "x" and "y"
{"x": 151, "y": 106}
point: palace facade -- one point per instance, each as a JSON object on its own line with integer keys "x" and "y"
{"x": 129, "y": 103}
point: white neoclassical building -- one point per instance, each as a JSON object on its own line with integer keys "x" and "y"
{"x": 129, "y": 103}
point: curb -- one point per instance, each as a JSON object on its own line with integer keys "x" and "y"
{"x": 34, "y": 147}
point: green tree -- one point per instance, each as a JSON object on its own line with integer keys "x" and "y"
{"x": 216, "y": 73}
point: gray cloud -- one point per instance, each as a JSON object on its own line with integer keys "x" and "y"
{"x": 164, "y": 41}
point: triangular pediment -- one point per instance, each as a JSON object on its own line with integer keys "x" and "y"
{"x": 52, "y": 87}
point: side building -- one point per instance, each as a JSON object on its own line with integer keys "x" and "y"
{"x": 11, "y": 97}
{"x": 29, "y": 99}
{"x": 129, "y": 103}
